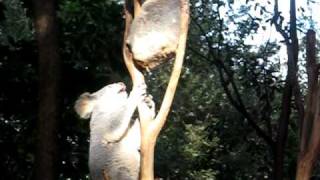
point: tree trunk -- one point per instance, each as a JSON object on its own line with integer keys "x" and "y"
{"x": 282, "y": 132}
{"x": 304, "y": 167}
{"x": 291, "y": 87}
{"x": 310, "y": 135}
{"x": 49, "y": 87}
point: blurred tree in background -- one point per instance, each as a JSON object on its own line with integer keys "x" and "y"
{"x": 225, "y": 118}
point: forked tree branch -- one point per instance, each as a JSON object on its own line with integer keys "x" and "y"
{"x": 150, "y": 128}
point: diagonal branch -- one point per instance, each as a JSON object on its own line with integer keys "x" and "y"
{"x": 277, "y": 20}
{"x": 241, "y": 108}
{"x": 236, "y": 101}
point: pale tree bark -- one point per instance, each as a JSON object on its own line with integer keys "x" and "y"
{"x": 49, "y": 88}
{"x": 150, "y": 128}
{"x": 310, "y": 134}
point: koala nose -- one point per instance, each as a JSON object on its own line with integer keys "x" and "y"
{"x": 122, "y": 86}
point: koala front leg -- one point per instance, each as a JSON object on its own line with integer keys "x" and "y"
{"x": 136, "y": 96}
{"x": 147, "y": 107}
{"x": 122, "y": 124}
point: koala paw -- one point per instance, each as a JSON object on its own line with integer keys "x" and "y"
{"x": 148, "y": 100}
{"x": 148, "y": 106}
{"x": 138, "y": 92}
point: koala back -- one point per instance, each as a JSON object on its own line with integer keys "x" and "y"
{"x": 120, "y": 160}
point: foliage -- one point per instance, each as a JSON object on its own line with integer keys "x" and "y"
{"x": 16, "y": 26}
{"x": 90, "y": 52}
{"x": 17, "y": 92}
{"x": 188, "y": 144}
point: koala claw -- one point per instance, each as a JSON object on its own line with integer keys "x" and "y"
{"x": 148, "y": 100}
{"x": 139, "y": 90}
{"x": 149, "y": 106}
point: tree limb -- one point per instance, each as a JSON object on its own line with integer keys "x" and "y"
{"x": 136, "y": 76}
{"x": 150, "y": 129}
{"x": 277, "y": 20}
{"x": 244, "y": 112}
{"x": 235, "y": 101}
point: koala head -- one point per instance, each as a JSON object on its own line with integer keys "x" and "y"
{"x": 109, "y": 98}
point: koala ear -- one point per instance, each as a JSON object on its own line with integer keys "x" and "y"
{"x": 84, "y": 105}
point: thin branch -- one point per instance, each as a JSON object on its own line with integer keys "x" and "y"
{"x": 244, "y": 112}
{"x": 298, "y": 99}
{"x": 136, "y": 76}
{"x": 237, "y": 103}
{"x": 277, "y": 20}
{"x": 295, "y": 50}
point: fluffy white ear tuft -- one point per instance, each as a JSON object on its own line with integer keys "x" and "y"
{"x": 84, "y": 105}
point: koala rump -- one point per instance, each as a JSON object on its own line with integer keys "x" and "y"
{"x": 154, "y": 34}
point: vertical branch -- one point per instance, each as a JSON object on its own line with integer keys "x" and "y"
{"x": 137, "y": 7}
{"x": 295, "y": 51}
{"x": 277, "y": 20}
{"x": 291, "y": 85}
{"x": 129, "y": 9}
{"x": 150, "y": 128}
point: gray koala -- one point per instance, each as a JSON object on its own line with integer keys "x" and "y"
{"x": 114, "y": 136}
{"x": 154, "y": 34}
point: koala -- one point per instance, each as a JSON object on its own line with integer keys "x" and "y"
{"x": 114, "y": 151}
{"x": 154, "y": 34}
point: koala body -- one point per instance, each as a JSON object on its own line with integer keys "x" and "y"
{"x": 114, "y": 138}
{"x": 154, "y": 34}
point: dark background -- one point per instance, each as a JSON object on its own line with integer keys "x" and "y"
{"x": 226, "y": 117}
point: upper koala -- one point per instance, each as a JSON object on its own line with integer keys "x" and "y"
{"x": 154, "y": 34}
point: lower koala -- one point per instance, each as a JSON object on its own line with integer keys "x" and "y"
{"x": 114, "y": 136}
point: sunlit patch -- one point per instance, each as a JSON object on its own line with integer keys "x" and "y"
{"x": 147, "y": 47}
{"x": 42, "y": 23}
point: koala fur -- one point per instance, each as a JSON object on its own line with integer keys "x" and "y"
{"x": 114, "y": 137}
{"x": 154, "y": 34}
